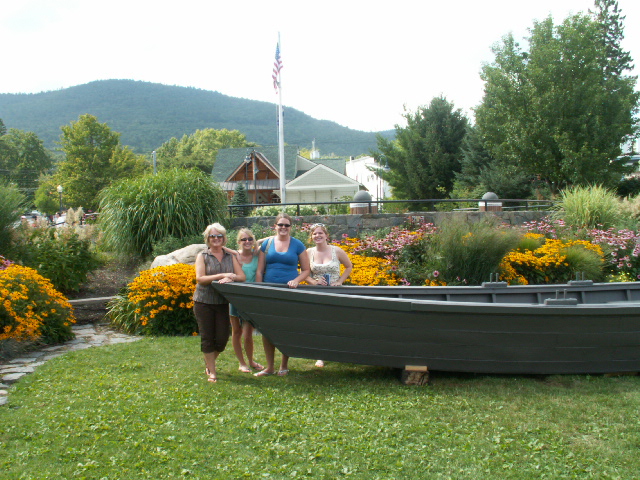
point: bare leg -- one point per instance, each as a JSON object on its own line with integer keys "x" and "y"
{"x": 247, "y": 334}
{"x": 284, "y": 363}
{"x": 269, "y": 354}
{"x": 236, "y": 341}
{"x": 210, "y": 362}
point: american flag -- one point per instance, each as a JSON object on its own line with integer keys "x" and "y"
{"x": 277, "y": 66}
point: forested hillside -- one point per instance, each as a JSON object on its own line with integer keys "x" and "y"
{"x": 149, "y": 114}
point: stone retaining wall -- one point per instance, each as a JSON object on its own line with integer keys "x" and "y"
{"x": 353, "y": 224}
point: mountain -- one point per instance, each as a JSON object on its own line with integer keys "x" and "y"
{"x": 148, "y": 114}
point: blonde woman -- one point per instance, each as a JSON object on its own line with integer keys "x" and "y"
{"x": 278, "y": 263}
{"x": 210, "y": 308}
{"x": 247, "y": 256}
{"x": 325, "y": 261}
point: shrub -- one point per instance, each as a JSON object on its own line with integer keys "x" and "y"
{"x": 467, "y": 253}
{"x": 32, "y": 309}
{"x": 136, "y": 213}
{"x": 589, "y": 207}
{"x": 555, "y": 261}
{"x": 60, "y": 254}
{"x": 157, "y": 302}
{"x": 621, "y": 251}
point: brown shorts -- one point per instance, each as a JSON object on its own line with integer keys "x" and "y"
{"x": 213, "y": 324}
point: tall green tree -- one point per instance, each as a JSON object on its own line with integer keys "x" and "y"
{"x": 426, "y": 154}
{"x": 562, "y": 109}
{"x": 23, "y": 158}
{"x": 480, "y": 172}
{"x": 94, "y": 158}
{"x": 199, "y": 149}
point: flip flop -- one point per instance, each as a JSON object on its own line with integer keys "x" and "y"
{"x": 244, "y": 369}
{"x": 263, "y": 373}
{"x": 282, "y": 373}
{"x": 212, "y": 376}
{"x": 257, "y": 366}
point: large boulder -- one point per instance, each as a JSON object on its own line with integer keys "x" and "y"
{"x": 186, "y": 255}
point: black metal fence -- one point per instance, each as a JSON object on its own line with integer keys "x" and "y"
{"x": 431, "y": 204}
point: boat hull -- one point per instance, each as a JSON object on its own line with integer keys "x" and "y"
{"x": 372, "y": 326}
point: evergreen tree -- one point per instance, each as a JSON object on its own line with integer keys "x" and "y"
{"x": 240, "y": 197}
{"x": 426, "y": 154}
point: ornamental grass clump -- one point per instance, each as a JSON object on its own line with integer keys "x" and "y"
{"x": 136, "y": 213}
{"x": 464, "y": 253}
{"x": 589, "y": 207}
{"x": 31, "y": 308}
{"x": 554, "y": 261}
{"x": 157, "y": 302}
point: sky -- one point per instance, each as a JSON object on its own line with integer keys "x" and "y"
{"x": 358, "y": 63}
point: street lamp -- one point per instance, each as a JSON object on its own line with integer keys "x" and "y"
{"x": 60, "y": 192}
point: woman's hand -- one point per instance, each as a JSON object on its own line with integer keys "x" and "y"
{"x": 228, "y": 278}
{"x": 293, "y": 283}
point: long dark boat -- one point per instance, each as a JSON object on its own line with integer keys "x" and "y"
{"x": 579, "y": 327}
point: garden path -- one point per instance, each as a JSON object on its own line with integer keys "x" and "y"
{"x": 87, "y": 335}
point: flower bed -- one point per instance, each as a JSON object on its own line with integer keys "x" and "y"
{"x": 31, "y": 308}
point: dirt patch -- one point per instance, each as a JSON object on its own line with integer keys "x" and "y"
{"x": 106, "y": 281}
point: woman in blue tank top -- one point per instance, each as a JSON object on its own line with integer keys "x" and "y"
{"x": 278, "y": 263}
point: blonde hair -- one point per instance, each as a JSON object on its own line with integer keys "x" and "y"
{"x": 242, "y": 232}
{"x": 214, "y": 226}
{"x": 324, "y": 229}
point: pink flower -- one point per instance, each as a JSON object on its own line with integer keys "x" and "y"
{"x": 436, "y": 273}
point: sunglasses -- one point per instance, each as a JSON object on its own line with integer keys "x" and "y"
{"x": 248, "y": 239}
{"x": 213, "y": 235}
{"x": 316, "y": 225}
{"x": 283, "y": 225}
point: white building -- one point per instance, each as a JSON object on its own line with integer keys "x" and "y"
{"x": 358, "y": 169}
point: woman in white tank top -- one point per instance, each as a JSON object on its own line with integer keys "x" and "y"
{"x": 326, "y": 259}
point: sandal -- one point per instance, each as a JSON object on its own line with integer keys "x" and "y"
{"x": 244, "y": 369}
{"x": 263, "y": 373}
{"x": 212, "y": 376}
{"x": 282, "y": 373}
{"x": 257, "y": 366}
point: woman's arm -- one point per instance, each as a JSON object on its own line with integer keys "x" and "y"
{"x": 201, "y": 273}
{"x": 230, "y": 251}
{"x": 348, "y": 266}
{"x": 256, "y": 250}
{"x": 305, "y": 270}
{"x": 261, "y": 264}
{"x": 310, "y": 280}
{"x": 237, "y": 275}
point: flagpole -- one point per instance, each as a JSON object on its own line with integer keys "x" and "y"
{"x": 283, "y": 179}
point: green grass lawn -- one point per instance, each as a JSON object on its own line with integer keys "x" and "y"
{"x": 145, "y": 410}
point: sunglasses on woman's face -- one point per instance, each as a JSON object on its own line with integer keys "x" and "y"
{"x": 283, "y": 225}
{"x": 213, "y": 235}
{"x": 248, "y": 239}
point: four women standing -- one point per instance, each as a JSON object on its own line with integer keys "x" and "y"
{"x": 281, "y": 259}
